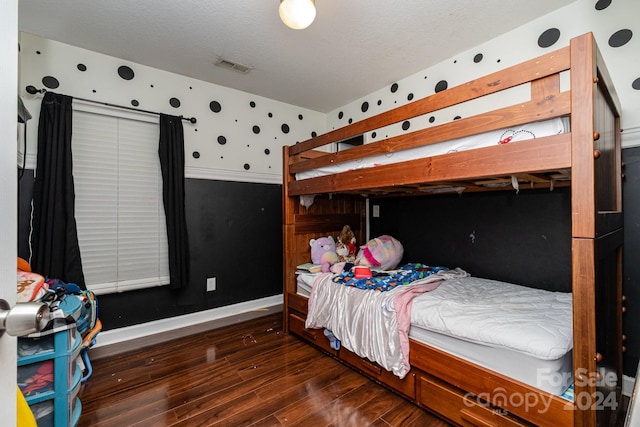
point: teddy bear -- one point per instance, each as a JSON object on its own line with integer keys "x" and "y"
{"x": 323, "y": 252}
{"x": 346, "y": 246}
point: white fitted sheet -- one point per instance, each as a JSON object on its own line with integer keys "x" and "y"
{"x": 305, "y": 283}
{"x": 552, "y": 376}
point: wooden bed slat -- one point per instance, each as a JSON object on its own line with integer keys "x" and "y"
{"x": 325, "y": 224}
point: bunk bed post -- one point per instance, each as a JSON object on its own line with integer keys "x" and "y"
{"x": 583, "y": 212}
{"x": 583, "y": 84}
{"x": 288, "y": 232}
{"x": 609, "y": 244}
{"x": 596, "y": 237}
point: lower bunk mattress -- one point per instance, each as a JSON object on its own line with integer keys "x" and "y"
{"x": 523, "y": 333}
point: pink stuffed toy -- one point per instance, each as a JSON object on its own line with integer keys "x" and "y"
{"x": 323, "y": 252}
{"x": 384, "y": 252}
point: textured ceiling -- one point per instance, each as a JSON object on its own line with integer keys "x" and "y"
{"x": 353, "y": 48}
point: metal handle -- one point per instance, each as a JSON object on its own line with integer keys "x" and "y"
{"x": 23, "y": 318}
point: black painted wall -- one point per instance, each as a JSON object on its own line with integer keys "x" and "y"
{"x": 522, "y": 238}
{"x": 234, "y": 235}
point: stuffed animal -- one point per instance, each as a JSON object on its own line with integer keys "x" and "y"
{"x": 346, "y": 246}
{"x": 323, "y": 252}
{"x": 384, "y": 252}
{"x": 343, "y": 253}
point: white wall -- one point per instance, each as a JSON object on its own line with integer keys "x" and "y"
{"x": 516, "y": 46}
{"x": 245, "y": 156}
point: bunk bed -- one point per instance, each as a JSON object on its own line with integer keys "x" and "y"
{"x": 584, "y": 155}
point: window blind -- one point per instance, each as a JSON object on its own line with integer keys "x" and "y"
{"x": 119, "y": 211}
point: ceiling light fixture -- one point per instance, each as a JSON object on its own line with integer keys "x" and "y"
{"x": 297, "y": 14}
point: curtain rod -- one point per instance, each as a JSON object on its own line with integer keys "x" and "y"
{"x": 33, "y": 90}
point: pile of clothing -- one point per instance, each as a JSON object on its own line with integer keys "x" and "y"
{"x": 69, "y": 306}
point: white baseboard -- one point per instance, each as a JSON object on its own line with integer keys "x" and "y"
{"x": 631, "y": 137}
{"x": 118, "y": 340}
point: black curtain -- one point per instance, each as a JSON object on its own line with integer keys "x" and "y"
{"x": 54, "y": 240}
{"x": 171, "y": 152}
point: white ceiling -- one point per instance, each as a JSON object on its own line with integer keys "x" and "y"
{"x": 353, "y": 48}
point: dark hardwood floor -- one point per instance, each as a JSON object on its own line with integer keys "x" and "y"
{"x": 249, "y": 373}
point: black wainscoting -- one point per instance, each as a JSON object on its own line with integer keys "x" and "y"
{"x": 234, "y": 234}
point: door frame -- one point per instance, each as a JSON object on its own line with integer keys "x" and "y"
{"x": 8, "y": 195}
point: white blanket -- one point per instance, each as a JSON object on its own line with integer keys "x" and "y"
{"x": 532, "y": 321}
{"x": 372, "y": 324}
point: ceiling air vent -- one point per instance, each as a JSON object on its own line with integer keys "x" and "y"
{"x": 225, "y": 63}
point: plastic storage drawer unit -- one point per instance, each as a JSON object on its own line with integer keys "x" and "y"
{"x": 49, "y": 375}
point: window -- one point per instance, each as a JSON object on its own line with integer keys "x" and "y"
{"x": 119, "y": 212}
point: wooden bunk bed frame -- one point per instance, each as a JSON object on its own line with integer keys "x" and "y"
{"x": 588, "y": 158}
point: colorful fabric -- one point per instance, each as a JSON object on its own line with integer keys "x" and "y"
{"x": 387, "y": 280}
{"x": 30, "y": 286}
{"x": 36, "y": 379}
{"x": 374, "y": 325}
{"x": 385, "y": 252}
{"x": 568, "y": 394}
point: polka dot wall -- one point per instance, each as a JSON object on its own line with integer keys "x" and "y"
{"x": 238, "y": 136}
{"x": 615, "y": 27}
